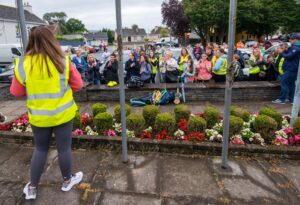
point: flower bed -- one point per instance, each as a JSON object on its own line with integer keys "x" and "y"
{"x": 260, "y": 129}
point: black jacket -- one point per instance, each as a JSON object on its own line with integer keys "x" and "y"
{"x": 111, "y": 72}
{"x": 132, "y": 70}
{"x": 93, "y": 72}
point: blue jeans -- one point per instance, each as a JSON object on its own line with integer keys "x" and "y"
{"x": 288, "y": 85}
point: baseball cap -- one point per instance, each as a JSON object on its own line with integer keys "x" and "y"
{"x": 295, "y": 36}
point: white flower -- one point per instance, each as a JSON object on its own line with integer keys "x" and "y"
{"x": 148, "y": 130}
{"x": 179, "y": 134}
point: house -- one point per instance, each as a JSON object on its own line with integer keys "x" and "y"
{"x": 9, "y": 23}
{"x": 133, "y": 35}
{"x": 155, "y": 34}
{"x": 95, "y": 39}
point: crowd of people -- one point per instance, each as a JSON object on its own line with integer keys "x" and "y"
{"x": 198, "y": 64}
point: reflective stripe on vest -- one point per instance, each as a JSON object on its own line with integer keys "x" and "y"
{"x": 256, "y": 69}
{"x": 280, "y": 69}
{"x": 20, "y": 75}
{"x": 52, "y": 112}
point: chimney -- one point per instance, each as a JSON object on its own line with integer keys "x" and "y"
{"x": 27, "y": 7}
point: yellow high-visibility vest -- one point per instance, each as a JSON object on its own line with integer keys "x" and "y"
{"x": 255, "y": 69}
{"x": 280, "y": 69}
{"x": 223, "y": 68}
{"x": 49, "y": 98}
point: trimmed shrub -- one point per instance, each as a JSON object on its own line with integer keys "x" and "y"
{"x": 117, "y": 112}
{"x": 197, "y": 124}
{"x": 273, "y": 114}
{"x": 266, "y": 126}
{"x": 297, "y": 126}
{"x": 182, "y": 112}
{"x": 103, "y": 122}
{"x": 235, "y": 126}
{"x": 136, "y": 123}
{"x": 240, "y": 112}
{"x": 150, "y": 112}
{"x": 77, "y": 121}
{"x": 211, "y": 115}
{"x": 98, "y": 108}
{"x": 166, "y": 122}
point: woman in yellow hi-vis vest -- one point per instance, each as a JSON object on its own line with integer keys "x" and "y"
{"x": 48, "y": 80}
{"x": 221, "y": 66}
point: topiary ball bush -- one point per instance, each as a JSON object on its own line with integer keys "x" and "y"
{"x": 240, "y": 112}
{"x": 211, "y": 115}
{"x": 235, "y": 125}
{"x": 150, "y": 112}
{"x": 117, "y": 112}
{"x": 182, "y": 112}
{"x": 136, "y": 123}
{"x": 197, "y": 124}
{"x": 103, "y": 122}
{"x": 266, "y": 126}
{"x": 77, "y": 121}
{"x": 98, "y": 108}
{"x": 297, "y": 126}
{"x": 273, "y": 114}
{"x": 165, "y": 121}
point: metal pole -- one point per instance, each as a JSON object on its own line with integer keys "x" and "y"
{"x": 22, "y": 23}
{"x": 296, "y": 104}
{"x": 229, "y": 78}
{"x": 121, "y": 80}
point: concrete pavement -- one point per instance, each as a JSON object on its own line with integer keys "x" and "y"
{"x": 152, "y": 179}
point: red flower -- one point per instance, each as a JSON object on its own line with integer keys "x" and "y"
{"x": 163, "y": 136}
{"x": 145, "y": 135}
{"x": 5, "y": 127}
{"x": 200, "y": 114}
{"x": 197, "y": 137}
{"x": 183, "y": 125}
{"x": 220, "y": 117}
{"x": 85, "y": 118}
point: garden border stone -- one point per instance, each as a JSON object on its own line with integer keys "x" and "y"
{"x": 163, "y": 146}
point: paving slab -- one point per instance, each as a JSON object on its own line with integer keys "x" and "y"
{"x": 17, "y": 167}
{"x": 123, "y": 199}
{"x": 7, "y": 151}
{"x": 292, "y": 172}
{"x": 187, "y": 177}
{"x": 53, "y": 195}
{"x": 10, "y": 192}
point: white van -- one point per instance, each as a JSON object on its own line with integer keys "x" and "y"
{"x": 8, "y": 52}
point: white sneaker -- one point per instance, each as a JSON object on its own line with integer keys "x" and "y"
{"x": 30, "y": 192}
{"x": 75, "y": 179}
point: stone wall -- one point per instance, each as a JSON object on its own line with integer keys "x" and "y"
{"x": 259, "y": 91}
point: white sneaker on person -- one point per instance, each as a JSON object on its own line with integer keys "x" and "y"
{"x": 75, "y": 179}
{"x": 30, "y": 192}
{"x": 278, "y": 102}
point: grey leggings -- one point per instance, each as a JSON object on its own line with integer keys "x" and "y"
{"x": 42, "y": 138}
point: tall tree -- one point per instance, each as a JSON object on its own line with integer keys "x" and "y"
{"x": 164, "y": 32}
{"x": 290, "y": 15}
{"x": 207, "y": 16}
{"x": 57, "y": 18}
{"x": 174, "y": 18}
{"x": 110, "y": 34}
{"x": 75, "y": 26}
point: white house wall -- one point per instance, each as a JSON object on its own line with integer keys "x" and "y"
{"x": 8, "y": 32}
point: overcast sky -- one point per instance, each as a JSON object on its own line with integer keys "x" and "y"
{"x": 96, "y": 14}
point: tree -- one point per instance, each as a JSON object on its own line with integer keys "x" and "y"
{"x": 290, "y": 15}
{"x": 207, "y": 16}
{"x": 75, "y": 26}
{"x": 110, "y": 34}
{"x": 164, "y": 32}
{"x": 174, "y": 18}
{"x": 57, "y": 18}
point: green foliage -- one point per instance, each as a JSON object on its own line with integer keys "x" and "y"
{"x": 197, "y": 124}
{"x": 77, "y": 121}
{"x": 136, "y": 123}
{"x": 166, "y": 122}
{"x": 59, "y": 37}
{"x": 240, "y": 112}
{"x": 211, "y": 115}
{"x": 98, "y": 108}
{"x": 182, "y": 112}
{"x": 75, "y": 26}
{"x": 266, "y": 126}
{"x": 117, "y": 112}
{"x": 236, "y": 125}
{"x": 164, "y": 32}
{"x": 110, "y": 34}
{"x": 150, "y": 112}
{"x": 297, "y": 126}
{"x": 273, "y": 114}
{"x": 103, "y": 121}
{"x": 57, "y": 17}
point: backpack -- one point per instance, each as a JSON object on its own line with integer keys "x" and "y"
{"x": 134, "y": 82}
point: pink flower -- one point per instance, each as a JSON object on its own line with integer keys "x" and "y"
{"x": 110, "y": 133}
{"x": 280, "y": 141}
{"x": 237, "y": 141}
{"x": 288, "y": 131}
{"x": 77, "y": 132}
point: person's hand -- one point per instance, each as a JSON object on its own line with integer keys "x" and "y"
{"x": 132, "y": 65}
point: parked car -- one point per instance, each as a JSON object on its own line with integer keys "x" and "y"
{"x": 8, "y": 52}
{"x": 271, "y": 50}
{"x": 7, "y": 74}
